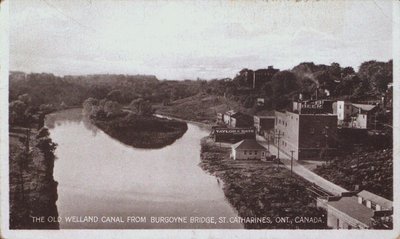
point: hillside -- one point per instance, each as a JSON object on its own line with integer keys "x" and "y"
{"x": 201, "y": 108}
{"x": 372, "y": 171}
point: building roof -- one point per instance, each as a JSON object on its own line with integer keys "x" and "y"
{"x": 240, "y": 115}
{"x": 248, "y": 144}
{"x": 351, "y": 207}
{"x": 231, "y": 112}
{"x": 364, "y": 107}
{"x": 265, "y": 116}
{"x": 383, "y": 202}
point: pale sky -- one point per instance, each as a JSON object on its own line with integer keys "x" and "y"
{"x": 188, "y": 39}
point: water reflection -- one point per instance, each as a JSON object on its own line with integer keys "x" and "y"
{"x": 68, "y": 117}
{"x": 100, "y": 176}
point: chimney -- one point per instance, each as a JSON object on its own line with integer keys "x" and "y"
{"x": 378, "y": 207}
{"x": 359, "y": 200}
{"x": 254, "y": 79}
{"x": 368, "y": 204}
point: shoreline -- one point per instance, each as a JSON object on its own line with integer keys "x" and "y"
{"x": 201, "y": 124}
{"x": 33, "y": 189}
{"x": 147, "y": 132}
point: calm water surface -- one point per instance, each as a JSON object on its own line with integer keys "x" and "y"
{"x": 99, "y": 176}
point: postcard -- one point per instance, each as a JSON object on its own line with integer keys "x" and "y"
{"x": 200, "y": 119}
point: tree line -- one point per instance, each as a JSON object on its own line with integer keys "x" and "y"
{"x": 30, "y": 93}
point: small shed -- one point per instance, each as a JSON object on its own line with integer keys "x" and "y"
{"x": 249, "y": 149}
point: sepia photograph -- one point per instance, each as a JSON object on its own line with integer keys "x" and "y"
{"x": 256, "y": 117}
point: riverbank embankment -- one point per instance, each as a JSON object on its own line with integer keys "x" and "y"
{"x": 33, "y": 190}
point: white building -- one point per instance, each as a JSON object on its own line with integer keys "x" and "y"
{"x": 354, "y": 115}
{"x": 249, "y": 149}
{"x": 356, "y": 210}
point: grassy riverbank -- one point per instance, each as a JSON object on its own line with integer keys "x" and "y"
{"x": 33, "y": 190}
{"x": 259, "y": 189}
{"x": 142, "y": 131}
{"x": 199, "y": 108}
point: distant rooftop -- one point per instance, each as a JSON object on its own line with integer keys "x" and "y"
{"x": 248, "y": 144}
{"x": 231, "y": 112}
{"x": 364, "y": 107}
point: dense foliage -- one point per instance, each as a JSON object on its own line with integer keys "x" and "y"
{"x": 277, "y": 87}
{"x": 372, "y": 171}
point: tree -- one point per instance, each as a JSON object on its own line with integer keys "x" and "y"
{"x": 88, "y": 105}
{"x": 17, "y": 112}
{"x": 115, "y": 95}
{"x": 26, "y": 98}
{"x": 376, "y": 75}
{"x": 141, "y": 107}
{"x": 112, "y": 108}
{"x": 283, "y": 82}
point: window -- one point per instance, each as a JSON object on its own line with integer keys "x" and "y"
{"x": 347, "y": 106}
{"x": 245, "y": 152}
{"x": 286, "y": 124}
{"x": 340, "y": 106}
{"x": 255, "y": 152}
{"x": 250, "y": 153}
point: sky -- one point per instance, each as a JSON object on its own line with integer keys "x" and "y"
{"x": 194, "y": 39}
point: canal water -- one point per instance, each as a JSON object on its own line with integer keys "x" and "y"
{"x": 100, "y": 177}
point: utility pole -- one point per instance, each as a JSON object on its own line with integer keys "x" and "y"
{"x": 278, "y": 136}
{"x": 326, "y": 141}
{"x": 291, "y": 163}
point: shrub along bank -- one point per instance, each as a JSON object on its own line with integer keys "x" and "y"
{"x": 33, "y": 190}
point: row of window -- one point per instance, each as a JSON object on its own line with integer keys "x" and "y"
{"x": 281, "y": 122}
{"x": 250, "y": 152}
{"x": 277, "y": 131}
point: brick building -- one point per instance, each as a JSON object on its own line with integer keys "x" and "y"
{"x": 310, "y": 136}
{"x": 264, "y": 123}
{"x": 235, "y": 119}
{"x": 311, "y": 106}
